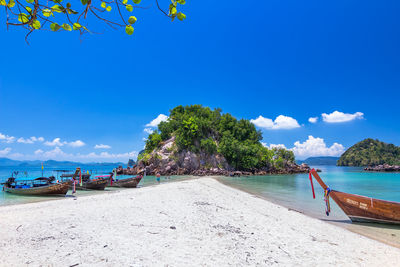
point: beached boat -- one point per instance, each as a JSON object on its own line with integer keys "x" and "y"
{"x": 360, "y": 208}
{"x": 82, "y": 181}
{"x": 93, "y": 184}
{"x": 65, "y": 175}
{"x": 119, "y": 181}
{"x": 38, "y": 186}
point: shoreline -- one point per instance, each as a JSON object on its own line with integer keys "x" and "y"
{"x": 375, "y": 232}
{"x": 196, "y": 222}
{"x": 364, "y": 229}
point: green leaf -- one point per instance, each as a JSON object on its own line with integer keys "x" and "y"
{"x": 182, "y": 2}
{"x": 29, "y": 1}
{"x": 68, "y": 5}
{"x": 71, "y": 11}
{"x": 129, "y": 29}
{"x": 181, "y": 16}
{"x": 103, "y": 4}
{"x": 172, "y": 11}
{"x": 28, "y": 9}
{"x": 47, "y": 12}
{"x": 108, "y": 8}
{"x": 11, "y": 3}
{"x": 23, "y": 18}
{"x": 132, "y": 19}
{"x": 124, "y": 2}
{"x": 85, "y": 28}
{"x": 137, "y": 1}
{"x": 66, "y": 27}
{"x": 129, "y": 8}
{"x": 76, "y": 26}
{"x": 57, "y": 8}
{"x": 84, "y": 2}
{"x": 3, "y": 3}
{"x": 55, "y": 27}
{"x": 36, "y": 24}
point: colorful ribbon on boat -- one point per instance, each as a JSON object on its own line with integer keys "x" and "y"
{"x": 312, "y": 185}
{"x": 80, "y": 177}
{"x": 326, "y": 199}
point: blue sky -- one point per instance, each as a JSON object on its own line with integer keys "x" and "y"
{"x": 298, "y": 59}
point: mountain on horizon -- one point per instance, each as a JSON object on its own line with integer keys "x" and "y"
{"x": 6, "y": 162}
{"x": 319, "y": 160}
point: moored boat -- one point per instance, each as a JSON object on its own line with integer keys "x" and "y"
{"x": 121, "y": 181}
{"x": 82, "y": 181}
{"x": 360, "y": 208}
{"x": 38, "y": 186}
{"x": 92, "y": 184}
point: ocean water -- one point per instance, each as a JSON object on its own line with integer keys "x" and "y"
{"x": 294, "y": 192}
{"x": 27, "y": 173}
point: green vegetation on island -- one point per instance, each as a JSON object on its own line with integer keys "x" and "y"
{"x": 370, "y": 152}
{"x": 209, "y": 132}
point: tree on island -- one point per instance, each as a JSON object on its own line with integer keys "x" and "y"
{"x": 370, "y": 152}
{"x": 54, "y": 15}
{"x": 203, "y": 131}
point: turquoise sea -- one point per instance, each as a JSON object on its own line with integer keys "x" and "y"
{"x": 294, "y": 192}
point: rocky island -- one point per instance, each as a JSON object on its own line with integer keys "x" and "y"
{"x": 196, "y": 140}
{"x": 374, "y": 154}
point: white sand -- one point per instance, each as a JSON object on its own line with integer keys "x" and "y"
{"x": 215, "y": 226}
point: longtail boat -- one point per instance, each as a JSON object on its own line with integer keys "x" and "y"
{"x": 360, "y": 208}
{"x": 38, "y": 186}
{"x": 85, "y": 176}
{"x": 130, "y": 182}
{"x": 80, "y": 181}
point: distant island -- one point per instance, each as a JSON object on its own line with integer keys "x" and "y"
{"x": 372, "y": 153}
{"x": 199, "y": 141}
{"x": 5, "y": 162}
{"x": 319, "y": 161}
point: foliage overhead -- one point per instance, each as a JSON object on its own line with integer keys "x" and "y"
{"x": 370, "y": 152}
{"x": 55, "y": 15}
{"x": 202, "y": 130}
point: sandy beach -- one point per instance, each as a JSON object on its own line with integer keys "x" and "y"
{"x": 197, "y": 222}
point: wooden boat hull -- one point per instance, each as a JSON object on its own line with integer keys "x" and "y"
{"x": 99, "y": 184}
{"x": 126, "y": 183}
{"x": 53, "y": 189}
{"x": 366, "y": 209}
{"x": 363, "y": 209}
{"x": 85, "y": 176}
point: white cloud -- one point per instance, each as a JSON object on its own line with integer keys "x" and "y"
{"x": 5, "y": 151}
{"x": 281, "y": 122}
{"x": 38, "y": 152}
{"x": 338, "y": 116}
{"x": 77, "y": 143}
{"x": 313, "y": 119}
{"x": 148, "y": 130}
{"x": 55, "y": 154}
{"x": 314, "y": 147}
{"x": 55, "y": 142}
{"x": 102, "y": 146}
{"x": 58, "y": 154}
{"x": 6, "y": 138}
{"x": 271, "y": 146}
{"x": 108, "y": 156}
{"x": 30, "y": 140}
{"x": 156, "y": 121}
